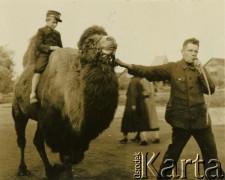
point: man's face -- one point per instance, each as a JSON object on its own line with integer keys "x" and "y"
{"x": 190, "y": 52}
{"x": 52, "y": 23}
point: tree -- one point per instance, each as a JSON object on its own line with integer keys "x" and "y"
{"x": 6, "y": 69}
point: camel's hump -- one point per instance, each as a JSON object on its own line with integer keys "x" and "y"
{"x": 66, "y": 53}
{"x": 65, "y": 58}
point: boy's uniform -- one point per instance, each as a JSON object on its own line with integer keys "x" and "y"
{"x": 46, "y": 37}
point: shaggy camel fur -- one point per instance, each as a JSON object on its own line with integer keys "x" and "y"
{"x": 78, "y": 95}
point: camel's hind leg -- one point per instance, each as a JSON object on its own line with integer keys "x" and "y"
{"x": 20, "y": 125}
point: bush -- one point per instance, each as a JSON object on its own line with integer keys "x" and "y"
{"x": 6, "y": 70}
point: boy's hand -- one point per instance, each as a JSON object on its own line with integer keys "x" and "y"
{"x": 53, "y": 48}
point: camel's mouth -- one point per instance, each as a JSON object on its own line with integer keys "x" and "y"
{"x": 104, "y": 58}
{"x": 100, "y": 50}
{"x": 106, "y": 48}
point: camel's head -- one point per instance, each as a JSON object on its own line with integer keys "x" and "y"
{"x": 97, "y": 47}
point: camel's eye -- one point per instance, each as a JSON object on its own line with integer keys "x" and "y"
{"x": 90, "y": 42}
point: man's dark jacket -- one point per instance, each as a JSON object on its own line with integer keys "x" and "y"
{"x": 47, "y": 37}
{"x": 186, "y": 107}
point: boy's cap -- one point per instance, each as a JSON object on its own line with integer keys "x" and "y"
{"x": 54, "y": 14}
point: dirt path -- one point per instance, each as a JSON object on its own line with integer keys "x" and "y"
{"x": 105, "y": 159}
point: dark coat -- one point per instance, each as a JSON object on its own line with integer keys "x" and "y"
{"x": 186, "y": 107}
{"x": 139, "y": 120}
{"x": 47, "y": 37}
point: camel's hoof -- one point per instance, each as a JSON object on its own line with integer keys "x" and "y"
{"x": 66, "y": 175}
{"x": 23, "y": 172}
{"x": 58, "y": 168}
{"x": 53, "y": 172}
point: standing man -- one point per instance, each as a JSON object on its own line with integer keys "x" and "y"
{"x": 186, "y": 110}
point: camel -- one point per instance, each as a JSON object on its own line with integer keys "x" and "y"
{"x": 77, "y": 99}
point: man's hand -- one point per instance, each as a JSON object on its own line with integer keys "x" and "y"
{"x": 53, "y": 48}
{"x": 122, "y": 64}
{"x": 198, "y": 65}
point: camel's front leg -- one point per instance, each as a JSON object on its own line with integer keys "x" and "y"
{"x": 51, "y": 171}
{"x": 67, "y": 163}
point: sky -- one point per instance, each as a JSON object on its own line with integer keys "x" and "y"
{"x": 143, "y": 29}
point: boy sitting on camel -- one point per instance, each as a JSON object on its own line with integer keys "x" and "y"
{"x": 48, "y": 40}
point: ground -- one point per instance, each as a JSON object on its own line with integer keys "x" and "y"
{"x": 106, "y": 158}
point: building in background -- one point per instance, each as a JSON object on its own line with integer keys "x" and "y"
{"x": 216, "y": 69}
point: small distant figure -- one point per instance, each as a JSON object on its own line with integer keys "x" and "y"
{"x": 140, "y": 113}
{"x": 149, "y": 110}
{"x": 47, "y": 40}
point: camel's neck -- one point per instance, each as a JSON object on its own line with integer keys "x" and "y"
{"x": 100, "y": 94}
{"x": 100, "y": 84}
{"x": 91, "y": 98}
